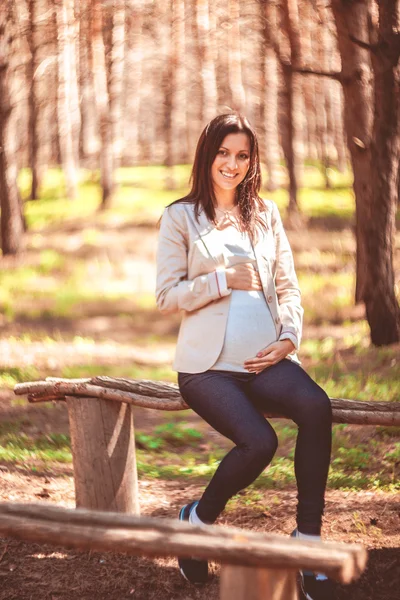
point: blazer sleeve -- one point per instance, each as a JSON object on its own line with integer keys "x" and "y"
{"x": 174, "y": 291}
{"x": 286, "y": 284}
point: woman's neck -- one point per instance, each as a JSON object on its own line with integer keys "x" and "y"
{"x": 225, "y": 199}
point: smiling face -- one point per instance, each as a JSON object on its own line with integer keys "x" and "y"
{"x": 231, "y": 163}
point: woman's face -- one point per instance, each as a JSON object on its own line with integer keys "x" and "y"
{"x": 231, "y": 162}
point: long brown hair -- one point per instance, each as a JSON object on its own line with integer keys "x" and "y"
{"x": 247, "y": 192}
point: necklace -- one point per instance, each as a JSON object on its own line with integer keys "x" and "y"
{"x": 230, "y": 217}
{"x": 226, "y": 211}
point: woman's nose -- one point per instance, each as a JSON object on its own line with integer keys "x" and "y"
{"x": 232, "y": 164}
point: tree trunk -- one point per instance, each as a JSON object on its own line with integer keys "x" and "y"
{"x": 65, "y": 103}
{"x": 102, "y": 104}
{"x": 150, "y": 536}
{"x": 134, "y": 76}
{"x": 103, "y": 450}
{"x": 166, "y": 396}
{"x": 357, "y": 81}
{"x": 294, "y": 103}
{"x": 270, "y": 88}
{"x": 11, "y": 216}
{"x": 175, "y": 97}
{"x": 238, "y": 93}
{"x": 308, "y": 39}
{"x": 33, "y": 100}
{"x": 382, "y": 306}
{"x": 206, "y": 42}
{"x": 88, "y": 142}
{"x": 117, "y": 78}
{"x": 250, "y": 583}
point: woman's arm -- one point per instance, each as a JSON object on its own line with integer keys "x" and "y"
{"x": 174, "y": 291}
{"x": 286, "y": 284}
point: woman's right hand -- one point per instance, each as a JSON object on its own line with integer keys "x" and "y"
{"x": 243, "y": 277}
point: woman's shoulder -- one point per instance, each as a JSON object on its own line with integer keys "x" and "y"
{"x": 268, "y": 205}
{"x": 179, "y": 208}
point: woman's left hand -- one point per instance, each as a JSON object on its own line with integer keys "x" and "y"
{"x": 269, "y": 356}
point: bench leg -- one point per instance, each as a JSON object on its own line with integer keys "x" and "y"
{"x": 103, "y": 451}
{"x": 253, "y": 583}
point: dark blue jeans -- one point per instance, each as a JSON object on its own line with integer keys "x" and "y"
{"x": 233, "y": 404}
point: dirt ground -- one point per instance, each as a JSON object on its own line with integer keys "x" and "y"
{"x": 39, "y": 572}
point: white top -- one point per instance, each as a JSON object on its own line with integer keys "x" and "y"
{"x": 250, "y": 326}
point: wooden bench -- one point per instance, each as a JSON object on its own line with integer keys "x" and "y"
{"x": 101, "y": 421}
{"x": 255, "y": 566}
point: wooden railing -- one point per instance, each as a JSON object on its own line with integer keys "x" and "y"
{"x": 255, "y": 566}
{"x": 102, "y": 430}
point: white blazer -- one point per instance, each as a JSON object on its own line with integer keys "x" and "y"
{"x": 188, "y": 255}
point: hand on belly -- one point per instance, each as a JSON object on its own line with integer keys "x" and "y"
{"x": 269, "y": 356}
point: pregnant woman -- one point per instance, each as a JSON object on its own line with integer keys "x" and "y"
{"x": 224, "y": 261}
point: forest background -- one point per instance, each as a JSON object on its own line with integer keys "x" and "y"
{"x": 101, "y": 105}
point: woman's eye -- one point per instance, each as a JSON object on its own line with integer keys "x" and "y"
{"x": 222, "y": 152}
{"x": 243, "y": 157}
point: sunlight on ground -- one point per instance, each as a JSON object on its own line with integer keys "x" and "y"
{"x": 79, "y": 302}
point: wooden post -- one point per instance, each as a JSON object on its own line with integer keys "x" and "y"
{"x": 254, "y": 583}
{"x": 103, "y": 452}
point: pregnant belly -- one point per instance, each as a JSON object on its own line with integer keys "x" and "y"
{"x": 250, "y": 327}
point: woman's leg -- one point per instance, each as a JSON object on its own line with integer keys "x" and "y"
{"x": 219, "y": 398}
{"x": 286, "y": 388}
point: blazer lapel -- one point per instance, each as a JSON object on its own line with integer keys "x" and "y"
{"x": 208, "y": 235}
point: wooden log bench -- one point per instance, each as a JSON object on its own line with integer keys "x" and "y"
{"x": 255, "y": 566}
{"x": 100, "y": 411}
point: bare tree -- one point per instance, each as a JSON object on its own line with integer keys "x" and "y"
{"x": 235, "y": 57}
{"x": 372, "y": 91}
{"x": 88, "y": 142}
{"x": 11, "y": 217}
{"x": 206, "y": 41}
{"x": 116, "y": 80}
{"x": 270, "y": 90}
{"x": 34, "y": 141}
{"x": 293, "y": 147}
{"x": 67, "y": 96}
{"x": 357, "y": 81}
{"x": 102, "y": 103}
{"x": 175, "y": 86}
{"x": 134, "y": 74}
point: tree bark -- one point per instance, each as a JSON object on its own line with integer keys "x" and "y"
{"x": 102, "y": 104}
{"x": 12, "y": 226}
{"x": 372, "y": 123}
{"x": 65, "y": 95}
{"x": 134, "y": 78}
{"x": 256, "y": 584}
{"x": 103, "y": 439}
{"x": 206, "y": 53}
{"x": 382, "y": 306}
{"x": 116, "y": 82}
{"x": 357, "y": 80}
{"x": 163, "y": 396}
{"x": 238, "y": 93}
{"x": 175, "y": 98}
{"x": 294, "y": 144}
{"x": 88, "y": 530}
{"x": 33, "y": 80}
{"x": 88, "y": 141}
{"x": 270, "y": 90}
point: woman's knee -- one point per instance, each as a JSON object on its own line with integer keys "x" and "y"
{"x": 262, "y": 447}
{"x": 315, "y": 407}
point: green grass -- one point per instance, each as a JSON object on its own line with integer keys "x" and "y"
{"x": 175, "y": 450}
{"x": 60, "y": 286}
{"x": 141, "y": 195}
{"x": 28, "y": 451}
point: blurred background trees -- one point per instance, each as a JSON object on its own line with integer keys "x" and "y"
{"x": 98, "y": 84}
